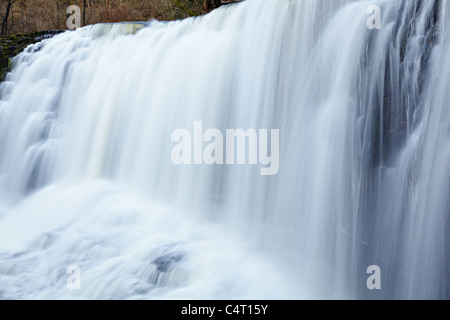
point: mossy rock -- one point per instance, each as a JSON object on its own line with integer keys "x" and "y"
{"x": 10, "y": 46}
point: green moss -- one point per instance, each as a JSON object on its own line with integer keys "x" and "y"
{"x": 186, "y": 10}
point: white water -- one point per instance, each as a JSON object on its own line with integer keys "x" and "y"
{"x": 86, "y": 176}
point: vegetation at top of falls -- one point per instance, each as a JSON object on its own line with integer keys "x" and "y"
{"x": 27, "y": 16}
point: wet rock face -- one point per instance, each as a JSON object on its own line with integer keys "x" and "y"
{"x": 213, "y": 4}
{"x": 10, "y": 46}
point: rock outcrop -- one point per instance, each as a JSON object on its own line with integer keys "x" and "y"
{"x": 10, "y": 46}
{"x": 213, "y": 4}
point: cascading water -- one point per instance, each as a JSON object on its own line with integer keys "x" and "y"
{"x": 87, "y": 179}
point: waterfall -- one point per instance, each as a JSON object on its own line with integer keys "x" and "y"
{"x": 87, "y": 178}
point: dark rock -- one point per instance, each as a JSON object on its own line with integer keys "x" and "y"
{"x": 10, "y": 46}
{"x": 164, "y": 262}
{"x": 213, "y": 4}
